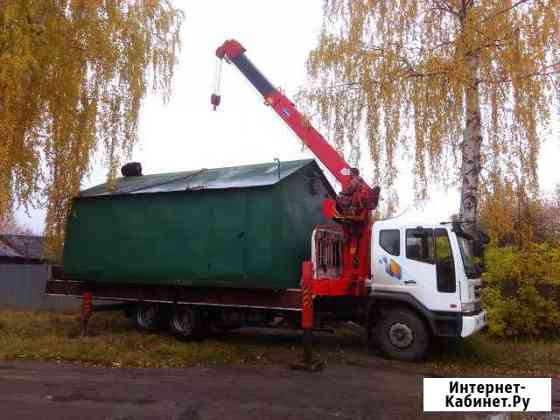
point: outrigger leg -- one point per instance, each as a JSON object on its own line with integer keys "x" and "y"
{"x": 307, "y": 322}
{"x": 87, "y": 309}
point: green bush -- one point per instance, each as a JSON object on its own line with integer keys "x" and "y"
{"x": 521, "y": 292}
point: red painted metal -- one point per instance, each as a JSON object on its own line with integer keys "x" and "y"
{"x": 87, "y": 302}
{"x": 352, "y": 208}
{"x": 307, "y": 295}
{"x": 230, "y": 49}
{"x": 87, "y": 310}
{"x": 307, "y": 312}
{"x": 329, "y": 209}
{"x": 355, "y": 267}
{"x": 311, "y": 137}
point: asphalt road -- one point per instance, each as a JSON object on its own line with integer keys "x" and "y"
{"x": 378, "y": 390}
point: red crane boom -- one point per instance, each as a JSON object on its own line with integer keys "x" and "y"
{"x": 288, "y": 112}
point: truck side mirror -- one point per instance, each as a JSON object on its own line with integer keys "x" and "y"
{"x": 479, "y": 267}
{"x": 478, "y": 249}
{"x": 484, "y": 238}
{"x": 479, "y": 244}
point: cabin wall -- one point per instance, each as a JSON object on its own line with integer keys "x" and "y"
{"x": 243, "y": 238}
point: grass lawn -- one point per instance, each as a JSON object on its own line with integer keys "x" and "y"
{"x": 114, "y": 342}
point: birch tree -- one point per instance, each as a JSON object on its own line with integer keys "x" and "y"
{"x": 73, "y": 74}
{"x": 466, "y": 86}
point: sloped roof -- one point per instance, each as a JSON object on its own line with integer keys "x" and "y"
{"x": 259, "y": 175}
{"x": 8, "y": 252}
{"x": 21, "y": 246}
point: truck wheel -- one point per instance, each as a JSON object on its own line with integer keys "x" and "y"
{"x": 185, "y": 323}
{"x": 402, "y": 335}
{"x": 147, "y": 317}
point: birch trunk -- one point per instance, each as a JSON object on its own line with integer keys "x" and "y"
{"x": 470, "y": 150}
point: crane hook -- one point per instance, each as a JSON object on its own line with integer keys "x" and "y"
{"x": 215, "y": 100}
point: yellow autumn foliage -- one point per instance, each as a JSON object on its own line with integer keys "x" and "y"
{"x": 514, "y": 217}
{"x": 73, "y": 74}
{"x": 521, "y": 290}
{"x": 403, "y": 74}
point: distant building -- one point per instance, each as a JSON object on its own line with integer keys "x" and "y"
{"x": 23, "y": 275}
{"x": 21, "y": 249}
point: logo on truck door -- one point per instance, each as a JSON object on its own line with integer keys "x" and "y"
{"x": 392, "y": 267}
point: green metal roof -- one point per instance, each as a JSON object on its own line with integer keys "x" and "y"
{"x": 259, "y": 175}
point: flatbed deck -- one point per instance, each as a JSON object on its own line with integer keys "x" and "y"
{"x": 285, "y": 299}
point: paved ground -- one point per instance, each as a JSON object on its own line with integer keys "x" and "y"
{"x": 380, "y": 390}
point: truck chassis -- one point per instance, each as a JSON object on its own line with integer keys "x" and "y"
{"x": 286, "y": 300}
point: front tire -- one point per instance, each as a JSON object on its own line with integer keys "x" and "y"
{"x": 402, "y": 335}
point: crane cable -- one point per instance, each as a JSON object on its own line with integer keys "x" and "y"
{"x": 216, "y": 98}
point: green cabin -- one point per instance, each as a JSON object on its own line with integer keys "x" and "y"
{"x": 243, "y": 227}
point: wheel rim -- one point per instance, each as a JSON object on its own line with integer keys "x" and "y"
{"x": 182, "y": 322}
{"x": 401, "y": 335}
{"x": 146, "y": 316}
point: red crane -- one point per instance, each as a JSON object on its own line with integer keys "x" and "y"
{"x": 352, "y": 207}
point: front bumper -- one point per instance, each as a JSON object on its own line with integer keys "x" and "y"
{"x": 473, "y": 323}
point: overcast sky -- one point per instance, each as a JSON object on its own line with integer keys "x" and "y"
{"x": 278, "y": 35}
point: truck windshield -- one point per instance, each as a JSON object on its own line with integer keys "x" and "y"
{"x": 469, "y": 261}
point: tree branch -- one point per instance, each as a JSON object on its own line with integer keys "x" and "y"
{"x": 445, "y": 7}
{"x": 507, "y": 9}
{"x": 540, "y": 73}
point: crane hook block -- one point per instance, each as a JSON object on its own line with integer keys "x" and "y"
{"x": 215, "y": 100}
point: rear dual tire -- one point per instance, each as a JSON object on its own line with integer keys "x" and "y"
{"x": 186, "y": 324}
{"x": 148, "y": 317}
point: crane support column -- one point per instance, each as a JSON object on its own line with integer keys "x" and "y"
{"x": 87, "y": 310}
{"x": 307, "y": 320}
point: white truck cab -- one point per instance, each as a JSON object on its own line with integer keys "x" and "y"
{"x": 424, "y": 270}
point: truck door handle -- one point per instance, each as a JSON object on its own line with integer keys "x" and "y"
{"x": 410, "y": 282}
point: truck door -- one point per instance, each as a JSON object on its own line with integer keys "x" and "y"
{"x": 429, "y": 268}
{"x": 417, "y": 261}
